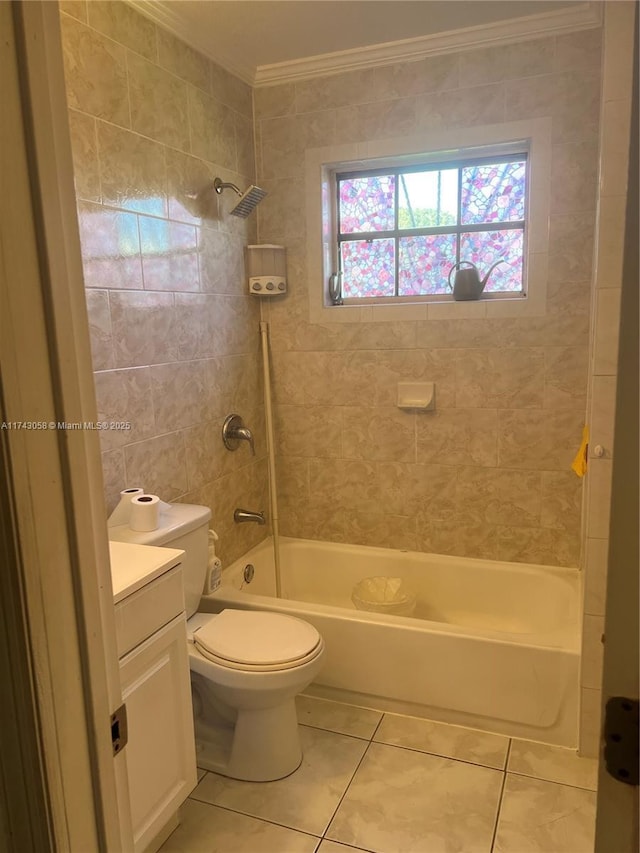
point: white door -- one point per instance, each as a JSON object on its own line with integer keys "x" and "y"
{"x": 617, "y": 809}
{"x": 59, "y": 664}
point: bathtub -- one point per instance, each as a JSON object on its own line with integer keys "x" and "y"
{"x": 490, "y": 645}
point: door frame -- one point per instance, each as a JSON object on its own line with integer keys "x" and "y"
{"x": 60, "y": 601}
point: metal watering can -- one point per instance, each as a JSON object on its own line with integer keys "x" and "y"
{"x": 467, "y": 283}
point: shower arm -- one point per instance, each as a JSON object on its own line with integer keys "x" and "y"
{"x": 219, "y": 185}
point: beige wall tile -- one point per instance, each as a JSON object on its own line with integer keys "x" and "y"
{"x": 158, "y": 103}
{"x": 84, "y": 148}
{"x": 616, "y": 118}
{"x": 599, "y": 497}
{"x": 271, "y": 101}
{"x": 595, "y": 570}
{"x": 132, "y": 171}
{"x": 183, "y": 61}
{"x": 159, "y": 463}
{"x": 538, "y": 545}
{"x": 125, "y": 396}
{"x": 580, "y": 51}
{"x": 125, "y": 25}
{"x": 611, "y": 222}
{"x": 571, "y": 239}
{"x": 433, "y": 74}
{"x": 408, "y": 488}
{"x": 232, "y": 91}
{"x": 75, "y": 8}
{"x": 573, "y": 176}
{"x": 144, "y": 326}
{"x": 500, "y": 378}
{"x": 170, "y": 255}
{"x": 100, "y": 329}
{"x": 308, "y": 431}
{"x": 222, "y": 266}
{"x": 592, "y": 652}
{"x": 497, "y": 496}
{"x": 565, "y": 378}
{"x": 347, "y": 484}
{"x": 338, "y": 90}
{"x": 528, "y": 58}
{"x": 603, "y": 412}
{"x": 212, "y": 126}
{"x": 607, "y": 332}
{"x": 458, "y": 437}
{"x": 110, "y": 247}
{"x": 380, "y": 530}
{"x": 461, "y": 108}
{"x": 95, "y": 73}
{"x": 539, "y": 440}
{"x": 114, "y": 478}
{"x": 590, "y": 714}
{"x": 426, "y": 365}
{"x": 190, "y": 189}
{"x": 178, "y": 394}
{"x": 384, "y": 434}
{"x": 561, "y": 500}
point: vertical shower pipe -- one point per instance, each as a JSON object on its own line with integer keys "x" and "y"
{"x": 273, "y": 492}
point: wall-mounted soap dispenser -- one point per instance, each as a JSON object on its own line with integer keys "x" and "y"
{"x": 267, "y": 269}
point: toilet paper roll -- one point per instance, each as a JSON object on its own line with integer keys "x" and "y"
{"x": 122, "y": 512}
{"x": 144, "y": 513}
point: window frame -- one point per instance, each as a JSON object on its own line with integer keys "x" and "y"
{"x": 315, "y": 227}
{"x": 427, "y": 161}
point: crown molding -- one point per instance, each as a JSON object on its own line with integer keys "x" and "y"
{"x": 579, "y": 16}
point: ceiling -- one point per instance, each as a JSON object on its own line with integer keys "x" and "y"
{"x": 250, "y": 37}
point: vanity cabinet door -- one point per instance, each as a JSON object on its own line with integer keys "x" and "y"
{"x": 161, "y": 762}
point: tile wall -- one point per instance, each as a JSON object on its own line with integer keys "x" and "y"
{"x": 175, "y": 338}
{"x": 614, "y": 159}
{"x": 487, "y": 475}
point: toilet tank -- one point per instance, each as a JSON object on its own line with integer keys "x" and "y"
{"x": 183, "y": 526}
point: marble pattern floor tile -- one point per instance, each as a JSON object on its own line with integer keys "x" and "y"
{"x": 327, "y": 846}
{"x": 209, "y": 829}
{"x": 337, "y": 717}
{"x": 305, "y": 800}
{"x": 400, "y": 800}
{"x": 540, "y": 817}
{"x": 443, "y": 739}
{"x": 552, "y": 764}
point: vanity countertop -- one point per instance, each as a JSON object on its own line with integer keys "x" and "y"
{"x": 134, "y": 566}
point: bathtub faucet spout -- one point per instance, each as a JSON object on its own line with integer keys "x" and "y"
{"x": 241, "y": 515}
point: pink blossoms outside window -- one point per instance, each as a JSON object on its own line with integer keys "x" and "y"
{"x": 400, "y": 230}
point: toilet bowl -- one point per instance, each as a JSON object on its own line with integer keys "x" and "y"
{"x": 246, "y": 666}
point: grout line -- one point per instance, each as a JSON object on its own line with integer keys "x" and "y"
{"x": 439, "y": 755}
{"x": 499, "y": 809}
{"x": 344, "y": 793}
{"x": 248, "y": 814}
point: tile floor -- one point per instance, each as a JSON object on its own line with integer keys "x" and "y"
{"x": 385, "y": 783}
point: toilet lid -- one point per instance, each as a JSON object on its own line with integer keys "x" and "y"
{"x": 252, "y": 638}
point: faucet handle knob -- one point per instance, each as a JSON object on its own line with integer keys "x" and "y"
{"x": 234, "y": 431}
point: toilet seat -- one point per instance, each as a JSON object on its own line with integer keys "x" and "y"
{"x": 256, "y": 641}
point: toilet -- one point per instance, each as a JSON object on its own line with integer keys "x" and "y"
{"x": 247, "y": 666}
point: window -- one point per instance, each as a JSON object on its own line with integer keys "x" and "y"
{"x": 400, "y": 229}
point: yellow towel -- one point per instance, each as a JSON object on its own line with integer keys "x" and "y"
{"x": 579, "y": 464}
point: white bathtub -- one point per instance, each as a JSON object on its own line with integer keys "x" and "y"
{"x": 491, "y": 645}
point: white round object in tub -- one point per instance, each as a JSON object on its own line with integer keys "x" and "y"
{"x": 382, "y": 594}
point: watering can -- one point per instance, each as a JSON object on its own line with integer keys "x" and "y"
{"x": 467, "y": 283}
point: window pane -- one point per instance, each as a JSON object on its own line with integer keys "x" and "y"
{"x": 425, "y": 263}
{"x": 484, "y": 248}
{"x": 494, "y": 193}
{"x": 427, "y": 199}
{"x": 367, "y": 204}
{"x": 368, "y": 268}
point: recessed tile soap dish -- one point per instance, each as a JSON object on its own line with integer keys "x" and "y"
{"x": 417, "y": 396}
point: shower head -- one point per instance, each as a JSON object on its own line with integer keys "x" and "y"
{"x": 248, "y": 200}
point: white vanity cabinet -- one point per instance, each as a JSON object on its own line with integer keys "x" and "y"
{"x": 156, "y": 688}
